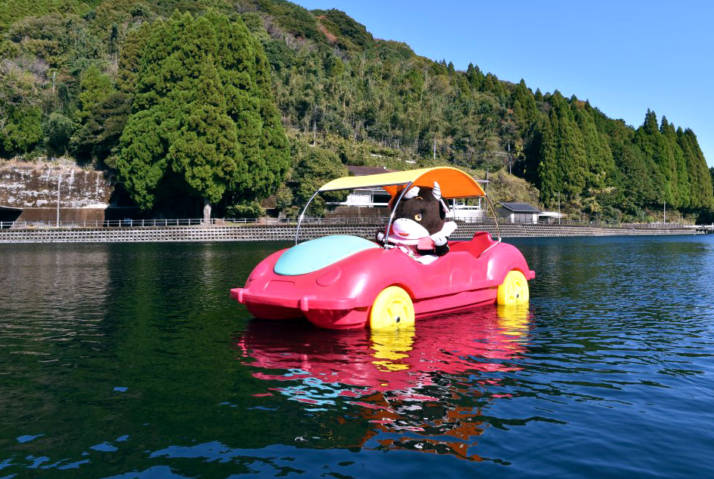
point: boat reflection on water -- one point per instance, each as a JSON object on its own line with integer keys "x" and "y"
{"x": 427, "y": 385}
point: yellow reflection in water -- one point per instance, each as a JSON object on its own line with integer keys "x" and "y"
{"x": 513, "y": 320}
{"x": 391, "y": 348}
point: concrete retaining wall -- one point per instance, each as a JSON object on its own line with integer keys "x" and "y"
{"x": 287, "y": 233}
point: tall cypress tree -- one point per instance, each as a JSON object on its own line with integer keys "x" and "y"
{"x": 524, "y": 105}
{"x": 679, "y": 176}
{"x": 647, "y": 140}
{"x": 700, "y": 180}
{"x": 568, "y": 149}
{"x": 598, "y": 156}
{"x": 664, "y": 160}
{"x": 550, "y": 175}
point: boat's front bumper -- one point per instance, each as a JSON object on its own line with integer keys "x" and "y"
{"x": 302, "y": 303}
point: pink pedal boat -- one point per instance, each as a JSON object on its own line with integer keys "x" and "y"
{"x": 348, "y": 282}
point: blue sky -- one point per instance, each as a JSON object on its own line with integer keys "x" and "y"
{"x": 624, "y": 56}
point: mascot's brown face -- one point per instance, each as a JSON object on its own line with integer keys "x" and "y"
{"x": 424, "y": 209}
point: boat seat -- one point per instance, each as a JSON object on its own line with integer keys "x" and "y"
{"x": 477, "y": 245}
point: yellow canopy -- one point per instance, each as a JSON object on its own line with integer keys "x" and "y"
{"x": 454, "y": 183}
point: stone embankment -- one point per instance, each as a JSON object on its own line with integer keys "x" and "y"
{"x": 287, "y": 233}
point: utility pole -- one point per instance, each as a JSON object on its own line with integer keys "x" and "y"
{"x": 59, "y": 184}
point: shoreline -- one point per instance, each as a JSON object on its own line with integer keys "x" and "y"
{"x": 245, "y": 233}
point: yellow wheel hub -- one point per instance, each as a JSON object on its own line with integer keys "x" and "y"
{"x": 513, "y": 290}
{"x": 392, "y": 309}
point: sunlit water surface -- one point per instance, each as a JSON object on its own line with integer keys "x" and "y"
{"x": 132, "y": 361}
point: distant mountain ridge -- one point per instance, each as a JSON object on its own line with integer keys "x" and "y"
{"x": 359, "y": 100}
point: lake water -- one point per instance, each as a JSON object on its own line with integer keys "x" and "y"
{"x": 132, "y": 361}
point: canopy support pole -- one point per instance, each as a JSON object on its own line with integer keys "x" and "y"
{"x": 495, "y": 217}
{"x": 302, "y": 215}
{"x": 391, "y": 216}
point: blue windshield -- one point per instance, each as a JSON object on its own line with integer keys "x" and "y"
{"x": 319, "y": 253}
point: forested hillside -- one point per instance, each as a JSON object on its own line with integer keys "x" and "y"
{"x": 233, "y": 101}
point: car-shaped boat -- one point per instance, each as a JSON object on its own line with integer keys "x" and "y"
{"x": 347, "y": 282}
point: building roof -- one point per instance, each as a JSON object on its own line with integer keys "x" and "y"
{"x": 520, "y": 208}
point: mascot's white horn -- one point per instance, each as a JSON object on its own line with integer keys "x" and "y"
{"x": 413, "y": 193}
{"x": 437, "y": 194}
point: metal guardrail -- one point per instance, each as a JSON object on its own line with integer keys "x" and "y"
{"x": 160, "y": 222}
{"x": 125, "y": 223}
{"x": 335, "y": 220}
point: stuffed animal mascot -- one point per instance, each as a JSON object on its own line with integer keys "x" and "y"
{"x": 419, "y": 227}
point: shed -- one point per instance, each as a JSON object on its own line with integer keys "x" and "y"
{"x": 519, "y": 212}
{"x": 550, "y": 217}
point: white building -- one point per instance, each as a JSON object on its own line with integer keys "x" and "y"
{"x": 467, "y": 213}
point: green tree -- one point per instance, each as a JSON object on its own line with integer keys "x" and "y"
{"x": 203, "y": 147}
{"x": 679, "y": 175}
{"x": 637, "y": 182}
{"x": 95, "y": 87}
{"x": 129, "y": 60}
{"x": 203, "y": 117}
{"x": 550, "y": 174}
{"x": 20, "y": 131}
{"x": 598, "y": 156}
{"x": 14, "y": 10}
{"x": 89, "y": 140}
{"x": 20, "y": 110}
{"x": 700, "y": 181}
{"x": 100, "y": 132}
{"x": 524, "y": 105}
{"x": 566, "y": 153}
{"x": 647, "y": 139}
{"x": 59, "y": 130}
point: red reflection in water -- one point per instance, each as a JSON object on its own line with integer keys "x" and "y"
{"x": 480, "y": 340}
{"x": 444, "y": 365}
